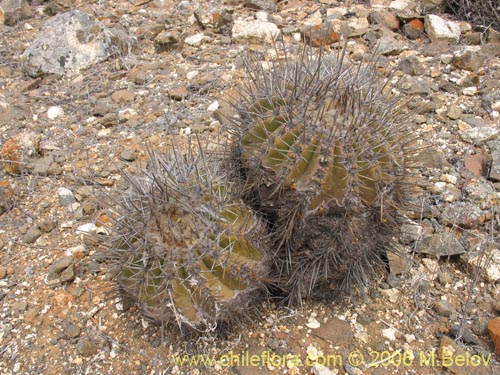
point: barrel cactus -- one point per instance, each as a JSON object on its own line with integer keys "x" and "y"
{"x": 186, "y": 250}
{"x": 326, "y": 158}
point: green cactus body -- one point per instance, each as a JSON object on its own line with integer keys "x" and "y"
{"x": 191, "y": 252}
{"x": 323, "y": 153}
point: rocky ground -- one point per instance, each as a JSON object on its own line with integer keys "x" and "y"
{"x": 71, "y": 121}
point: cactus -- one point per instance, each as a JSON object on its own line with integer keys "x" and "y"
{"x": 326, "y": 158}
{"x": 185, "y": 248}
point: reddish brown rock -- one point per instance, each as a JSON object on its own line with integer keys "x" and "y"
{"x": 475, "y": 164}
{"x": 413, "y": 29}
{"x": 494, "y": 331}
{"x": 317, "y": 36}
{"x": 384, "y": 17}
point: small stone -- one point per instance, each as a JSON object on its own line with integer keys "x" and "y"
{"x": 47, "y": 225}
{"x": 469, "y": 60}
{"x": 70, "y": 330}
{"x": 55, "y": 112}
{"x": 463, "y": 214}
{"x": 196, "y": 40}
{"x": 121, "y": 97}
{"x": 388, "y": 46}
{"x": 192, "y": 74}
{"x": 32, "y": 235}
{"x": 13, "y": 11}
{"x": 178, "y": 93}
{"x": 336, "y": 331}
{"x": 384, "y": 17}
{"x": 86, "y": 347}
{"x": 479, "y": 135}
{"x": 267, "y": 5}
{"x": 61, "y": 264}
{"x": 3, "y": 272}
{"x": 66, "y": 196}
{"x": 413, "y": 29}
{"x": 20, "y": 306}
{"x": 168, "y": 40}
{"x": 451, "y": 352}
{"x": 136, "y": 75}
{"x": 43, "y": 165}
{"x": 398, "y": 264}
{"x": 494, "y": 331}
{"x": 318, "y": 369}
{"x": 454, "y": 112}
{"x": 67, "y": 43}
{"x": 67, "y": 275}
{"x": 254, "y": 31}
{"x": 440, "y": 245}
{"x": 443, "y": 308}
{"x": 411, "y": 65}
{"x": 128, "y": 155}
{"x": 465, "y": 335}
{"x": 438, "y": 28}
{"x": 490, "y": 269}
{"x": 390, "y": 333}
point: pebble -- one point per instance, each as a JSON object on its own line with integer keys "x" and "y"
{"x": 128, "y": 155}
{"x": 465, "y": 334}
{"x": 463, "y": 214}
{"x": 55, "y": 112}
{"x": 70, "y": 330}
{"x": 86, "y": 347}
{"x": 440, "y": 245}
{"x": 479, "y": 135}
{"x": 476, "y": 164}
{"x": 438, "y": 29}
{"x": 443, "y": 308}
{"x": 66, "y": 196}
{"x": 32, "y": 235}
{"x": 254, "y": 31}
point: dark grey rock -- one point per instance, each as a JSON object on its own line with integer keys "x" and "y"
{"x": 440, "y": 245}
{"x": 411, "y": 65}
{"x": 67, "y": 43}
{"x": 388, "y": 46}
{"x": 463, "y": 214}
{"x": 465, "y": 334}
